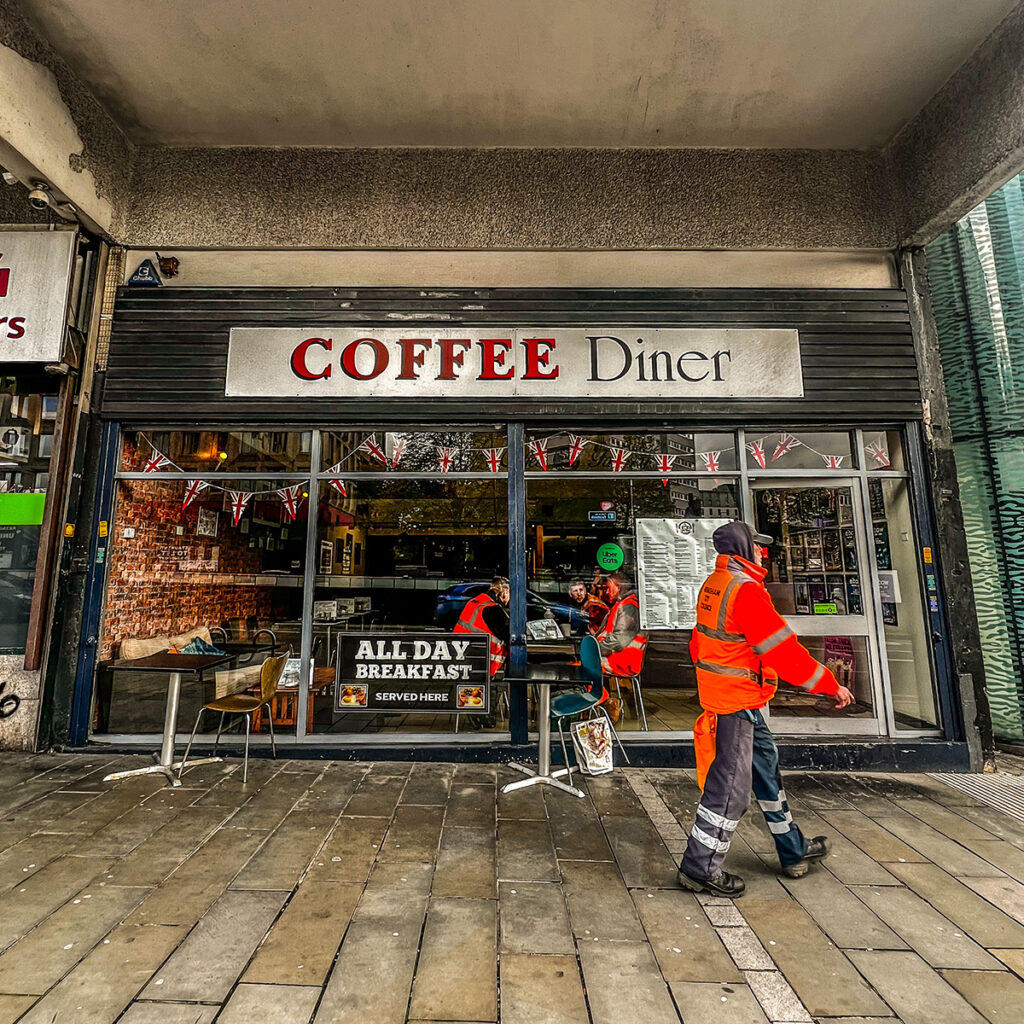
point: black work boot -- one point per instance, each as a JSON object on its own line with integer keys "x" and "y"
{"x": 722, "y": 884}
{"x": 816, "y": 849}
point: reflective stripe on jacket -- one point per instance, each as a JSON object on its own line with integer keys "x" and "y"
{"x": 472, "y": 621}
{"x": 630, "y": 660}
{"x": 741, "y": 645}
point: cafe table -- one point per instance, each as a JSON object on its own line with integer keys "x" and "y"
{"x": 174, "y": 666}
{"x": 542, "y": 675}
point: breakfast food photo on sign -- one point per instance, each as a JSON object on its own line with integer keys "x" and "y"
{"x": 471, "y": 697}
{"x": 354, "y": 695}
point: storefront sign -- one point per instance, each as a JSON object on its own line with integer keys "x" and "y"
{"x": 35, "y": 271}
{"x": 610, "y": 556}
{"x": 401, "y": 672}
{"x": 499, "y": 362}
{"x": 601, "y": 517}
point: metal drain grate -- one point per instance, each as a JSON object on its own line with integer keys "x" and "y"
{"x": 1003, "y": 792}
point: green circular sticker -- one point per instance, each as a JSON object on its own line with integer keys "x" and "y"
{"x": 610, "y": 556}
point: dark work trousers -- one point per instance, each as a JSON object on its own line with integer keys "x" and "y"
{"x": 745, "y": 757}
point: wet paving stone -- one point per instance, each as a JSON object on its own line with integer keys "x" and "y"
{"x": 534, "y": 918}
{"x": 466, "y": 863}
{"x": 541, "y": 990}
{"x": 624, "y": 983}
{"x": 526, "y": 851}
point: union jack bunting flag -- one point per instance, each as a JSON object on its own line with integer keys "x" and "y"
{"x": 665, "y": 466}
{"x": 786, "y": 445}
{"x": 576, "y": 446}
{"x": 492, "y": 456}
{"x": 444, "y": 459}
{"x": 338, "y": 485}
{"x": 239, "y": 503}
{"x": 712, "y": 461}
{"x": 155, "y": 461}
{"x": 877, "y": 451}
{"x": 192, "y": 491}
{"x": 833, "y": 461}
{"x": 398, "y": 451}
{"x": 373, "y": 449}
{"x": 619, "y": 457}
{"x": 539, "y": 450}
{"x": 290, "y": 500}
{"x": 756, "y": 449}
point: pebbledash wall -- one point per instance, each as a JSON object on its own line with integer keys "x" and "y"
{"x": 167, "y": 363}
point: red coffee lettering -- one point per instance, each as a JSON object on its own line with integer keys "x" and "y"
{"x": 450, "y": 359}
{"x": 493, "y": 352}
{"x": 298, "y": 361}
{"x": 17, "y": 327}
{"x": 535, "y": 358}
{"x": 381, "y": 356}
{"x": 411, "y": 359}
{"x": 5, "y": 280}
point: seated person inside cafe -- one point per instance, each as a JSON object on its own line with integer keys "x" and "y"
{"x": 620, "y": 640}
{"x": 741, "y": 647}
{"x": 593, "y": 610}
{"x": 488, "y": 613}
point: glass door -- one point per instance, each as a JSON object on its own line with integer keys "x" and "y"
{"x": 817, "y": 577}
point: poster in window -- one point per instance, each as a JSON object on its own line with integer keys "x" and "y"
{"x": 206, "y": 523}
{"x": 839, "y": 658}
{"x": 326, "y": 564}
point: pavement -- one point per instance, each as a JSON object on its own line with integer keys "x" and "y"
{"x": 386, "y": 893}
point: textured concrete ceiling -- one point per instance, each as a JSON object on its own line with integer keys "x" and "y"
{"x": 602, "y": 73}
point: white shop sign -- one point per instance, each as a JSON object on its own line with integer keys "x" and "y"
{"x": 35, "y": 272}
{"x": 429, "y": 361}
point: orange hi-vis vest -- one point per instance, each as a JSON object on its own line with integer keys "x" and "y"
{"x": 630, "y": 659}
{"x": 472, "y": 621}
{"x": 740, "y": 647}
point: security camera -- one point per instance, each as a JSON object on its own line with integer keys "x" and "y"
{"x": 40, "y": 197}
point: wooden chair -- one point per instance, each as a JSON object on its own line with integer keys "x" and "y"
{"x": 245, "y": 704}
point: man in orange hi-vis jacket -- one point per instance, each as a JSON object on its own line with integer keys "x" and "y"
{"x": 741, "y": 646}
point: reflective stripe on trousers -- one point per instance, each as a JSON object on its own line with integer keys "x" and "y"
{"x": 745, "y": 758}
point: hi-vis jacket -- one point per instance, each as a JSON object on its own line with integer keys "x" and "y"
{"x": 741, "y": 646}
{"x": 630, "y": 659}
{"x": 472, "y": 621}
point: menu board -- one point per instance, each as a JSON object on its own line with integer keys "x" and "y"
{"x": 674, "y": 558}
{"x": 404, "y": 672}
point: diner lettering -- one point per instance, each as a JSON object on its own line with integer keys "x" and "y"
{"x": 653, "y": 363}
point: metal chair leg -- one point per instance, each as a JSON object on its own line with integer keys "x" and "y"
{"x": 618, "y": 691}
{"x": 638, "y": 700}
{"x": 188, "y": 747}
{"x": 245, "y": 763}
{"x": 615, "y": 735}
{"x": 220, "y": 729}
{"x": 273, "y": 742}
{"x": 565, "y": 753}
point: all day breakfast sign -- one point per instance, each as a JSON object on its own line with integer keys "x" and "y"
{"x": 500, "y": 362}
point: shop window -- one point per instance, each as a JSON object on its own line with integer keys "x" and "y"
{"x": 786, "y": 450}
{"x": 196, "y": 451}
{"x": 883, "y": 451}
{"x": 221, "y": 559}
{"x": 649, "y": 452}
{"x": 413, "y": 451}
{"x": 26, "y": 444}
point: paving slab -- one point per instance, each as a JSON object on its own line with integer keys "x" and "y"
{"x": 303, "y": 941}
{"x": 351, "y": 849}
{"x": 229, "y": 790}
{"x": 684, "y": 942}
{"x": 612, "y": 794}
{"x": 21, "y": 861}
{"x": 376, "y": 795}
{"x": 414, "y": 834}
{"x": 466, "y": 863}
{"x": 122, "y": 835}
{"x": 840, "y": 914}
{"x": 624, "y": 984}
{"x": 1006, "y": 893}
{"x": 268, "y": 807}
{"x": 934, "y": 937}
{"x": 1003, "y": 855}
{"x": 998, "y": 996}
{"x": 541, "y": 990}
{"x": 471, "y": 804}
{"x": 281, "y": 860}
{"x": 208, "y": 963}
{"x": 820, "y": 974}
{"x": 1013, "y": 958}
{"x": 599, "y": 903}
{"x": 428, "y": 784}
{"x": 290, "y": 1004}
{"x": 973, "y": 914}
{"x": 946, "y": 820}
{"x": 456, "y": 978}
{"x": 777, "y": 999}
{"x": 934, "y": 846}
{"x": 873, "y": 838}
{"x": 520, "y": 803}
{"x": 526, "y": 851}
{"x": 916, "y": 993}
{"x": 534, "y": 918}
{"x": 330, "y": 793}
{"x": 169, "y": 1013}
{"x": 640, "y": 853}
{"x": 847, "y": 861}
{"x": 723, "y": 1004}
{"x": 575, "y": 827}
{"x": 12, "y": 1007}
{"x": 109, "y": 978}
{"x": 49, "y": 951}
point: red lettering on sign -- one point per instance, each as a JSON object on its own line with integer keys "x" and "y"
{"x": 17, "y": 327}
{"x": 535, "y": 358}
{"x": 492, "y": 358}
{"x": 5, "y": 279}
{"x": 450, "y": 359}
{"x": 411, "y": 359}
{"x": 381, "y": 357}
{"x": 298, "y": 361}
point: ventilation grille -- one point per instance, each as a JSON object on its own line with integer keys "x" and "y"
{"x": 1003, "y": 792}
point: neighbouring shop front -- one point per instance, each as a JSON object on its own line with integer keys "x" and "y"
{"x": 340, "y": 472}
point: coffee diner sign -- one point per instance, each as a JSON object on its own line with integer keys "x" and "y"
{"x": 499, "y": 362}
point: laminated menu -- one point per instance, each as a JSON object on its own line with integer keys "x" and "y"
{"x": 674, "y": 557}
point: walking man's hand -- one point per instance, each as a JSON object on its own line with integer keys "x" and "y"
{"x": 843, "y": 697}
